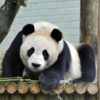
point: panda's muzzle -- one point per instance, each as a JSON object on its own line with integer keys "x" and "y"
{"x": 35, "y": 65}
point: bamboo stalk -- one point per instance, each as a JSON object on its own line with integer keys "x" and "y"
{"x": 80, "y": 88}
{"x": 92, "y": 88}
{"x": 11, "y": 87}
{"x": 2, "y": 88}
{"x": 23, "y": 87}
{"x": 34, "y": 88}
{"x": 17, "y": 79}
{"x": 69, "y": 88}
{"x": 60, "y": 88}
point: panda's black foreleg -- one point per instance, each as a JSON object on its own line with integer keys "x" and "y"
{"x": 12, "y": 64}
{"x": 6, "y": 69}
{"x": 50, "y": 79}
{"x": 88, "y": 68}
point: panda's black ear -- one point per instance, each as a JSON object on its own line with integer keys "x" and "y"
{"x": 28, "y": 29}
{"x": 56, "y": 34}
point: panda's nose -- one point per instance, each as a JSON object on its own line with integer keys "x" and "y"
{"x": 35, "y": 65}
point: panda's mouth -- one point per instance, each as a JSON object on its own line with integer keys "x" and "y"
{"x": 37, "y": 69}
{"x": 34, "y": 69}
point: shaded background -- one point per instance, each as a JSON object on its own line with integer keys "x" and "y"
{"x": 64, "y": 13}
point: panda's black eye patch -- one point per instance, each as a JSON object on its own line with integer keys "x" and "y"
{"x": 45, "y": 54}
{"x": 30, "y": 52}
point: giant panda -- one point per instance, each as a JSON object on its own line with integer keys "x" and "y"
{"x": 39, "y": 51}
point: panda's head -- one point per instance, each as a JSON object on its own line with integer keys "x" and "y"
{"x": 41, "y": 46}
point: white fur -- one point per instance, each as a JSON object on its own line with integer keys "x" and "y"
{"x": 38, "y": 59}
{"x": 25, "y": 73}
{"x": 44, "y": 25}
{"x": 39, "y": 43}
{"x": 74, "y": 71}
{"x": 49, "y": 27}
{"x": 41, "y": 40}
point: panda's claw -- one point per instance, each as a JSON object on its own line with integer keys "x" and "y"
{"x": 47, "y": 84}
{"x": 68, "y": 81}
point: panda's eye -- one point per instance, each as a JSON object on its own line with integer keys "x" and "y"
{"x": 45, "y": 54}
{"x": 30, "y": 52}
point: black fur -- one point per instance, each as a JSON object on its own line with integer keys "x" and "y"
{"x": 56, "y": 34}
{"x": 45, "y": 54}
{"x": 50, "y": 77}
{"x": 28, "y": 29}
{"x": 12, "y": 64}
{"x": 88, "y": 67}
{"x": 30, "y": 52}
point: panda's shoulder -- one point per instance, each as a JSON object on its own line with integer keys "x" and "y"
{"x": 71, "y": 47}
{"x": 73, "y": 52}
{"x": 16, "y": 43}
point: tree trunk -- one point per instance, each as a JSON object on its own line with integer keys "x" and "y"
{"x": 98, "y": 74}
{"x": 89, "y": 22}
{"x": 7, "y": 14}
{"x": 99, "y": 43}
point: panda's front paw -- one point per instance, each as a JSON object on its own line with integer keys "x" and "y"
{"x": 47, "y": 84}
